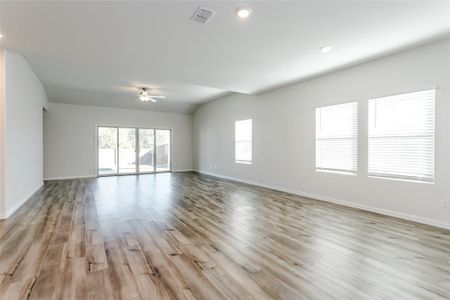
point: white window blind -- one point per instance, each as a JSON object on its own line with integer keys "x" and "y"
{"x": 243, "y": 141}
{"x": 401, "y": 136}
{"x": 337, "y": 138}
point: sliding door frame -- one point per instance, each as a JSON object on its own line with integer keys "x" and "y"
{"x": 137, "y": 148}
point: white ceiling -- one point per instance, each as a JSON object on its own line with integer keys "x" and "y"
{"x": 98, "y": 52}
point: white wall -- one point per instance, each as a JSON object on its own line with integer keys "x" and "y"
{"x": 70, "y": 132}
{"x": 284, "y": 135}
{"x": 2, "y": 132}
{"x": 23, "y": 145}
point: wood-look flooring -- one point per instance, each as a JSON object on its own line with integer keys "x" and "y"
{"x": 188, "y": 236}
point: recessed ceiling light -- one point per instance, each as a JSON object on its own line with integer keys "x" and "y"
{"x": 1, "y": 35}
{"x": 243, "y": 12}
{"x": 326, "y": 49}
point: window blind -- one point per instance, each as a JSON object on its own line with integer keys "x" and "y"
{"x": 401, "y": 136}
{"x": 337, "y": 137}
{"x": 243, "y": 141}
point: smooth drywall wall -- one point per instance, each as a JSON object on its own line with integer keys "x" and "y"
{"x": 284, "y": 135}
{"x": 2, "y": 132}
{"x": 70, "y": 136}
{"x": 25, "y": 99}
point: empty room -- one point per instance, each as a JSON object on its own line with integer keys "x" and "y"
{"x": 225, "y": 150}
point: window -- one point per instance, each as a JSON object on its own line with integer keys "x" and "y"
{"x": 337, "y": 138}
{"x": 243, "y": 141}
{"x": 401, "y": 136}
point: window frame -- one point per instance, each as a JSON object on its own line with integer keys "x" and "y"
{"x": 432, "y": 135}
{"x": 241, "y": 161}
{"x": 350, "y": 137}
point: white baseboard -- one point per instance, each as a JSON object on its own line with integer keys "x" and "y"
{"x": 13, "y": 209}
{"x": 70, "y": 177}
{"x": 382, "y": 211}
{"x": 94, "y": 176}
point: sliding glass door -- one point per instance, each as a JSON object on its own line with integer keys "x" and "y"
{"x": 146, "y": 150}
{"x": 127, "y": 151}
{"x": 123, "y": 150}
{"x": 162, "y": 150}
{"x": 107, "y": 150}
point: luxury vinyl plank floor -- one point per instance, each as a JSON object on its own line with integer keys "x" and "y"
{"x": 188, "y": 236}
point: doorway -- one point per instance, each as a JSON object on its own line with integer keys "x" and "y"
{"x": 132, "y": 150}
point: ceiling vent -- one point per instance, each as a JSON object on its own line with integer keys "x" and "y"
{"x": 202, "y": 15}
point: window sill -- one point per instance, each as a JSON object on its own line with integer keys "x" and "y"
{"x": 242, "y": 162}
{"x": 401, "y": 179}
{"x": 339, "y": 172}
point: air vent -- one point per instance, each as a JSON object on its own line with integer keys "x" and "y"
{"x": 202, "y": 15}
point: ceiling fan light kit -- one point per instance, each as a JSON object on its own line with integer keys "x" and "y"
{"x": 145, "y": 96}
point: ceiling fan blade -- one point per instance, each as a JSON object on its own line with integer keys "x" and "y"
{"x": 155, "y": 98}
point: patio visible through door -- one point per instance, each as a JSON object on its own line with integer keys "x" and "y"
{"x": 131, "y": 150}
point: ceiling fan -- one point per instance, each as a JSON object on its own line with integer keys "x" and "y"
{"x": 145, "y": 96}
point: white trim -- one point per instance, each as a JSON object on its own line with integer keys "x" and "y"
{"x": 340, "y": 172}
{"x": 13, "y": 209}
{"x": 94, "y": 176}
{"x": 329, "y": 199}
{"x": 243, "y": 162}
{"x": 399, "y": 179}
{"x": 70, "y": 177}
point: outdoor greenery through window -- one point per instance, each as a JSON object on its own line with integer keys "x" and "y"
{"x": 123, "y": 150}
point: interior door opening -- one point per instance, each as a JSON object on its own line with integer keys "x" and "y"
{"x": 131, "y": 150}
